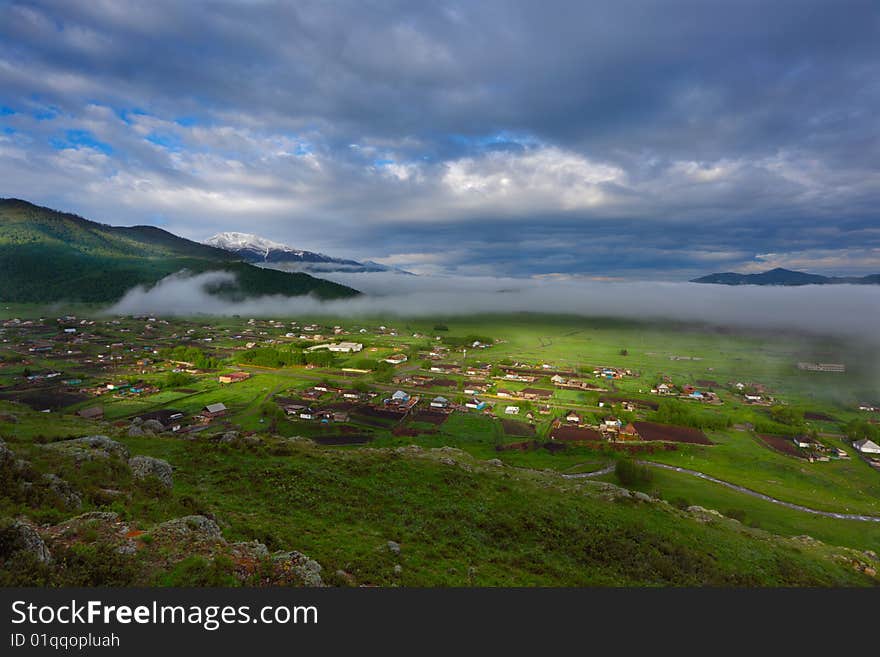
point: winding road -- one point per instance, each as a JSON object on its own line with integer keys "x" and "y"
{"x": 767, "y": 498}
{"x": 740, "y": 489}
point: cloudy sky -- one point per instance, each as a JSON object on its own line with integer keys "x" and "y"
{"x": 619, "y": 139}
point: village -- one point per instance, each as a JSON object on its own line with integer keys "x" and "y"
{"x": 354, "y": 384}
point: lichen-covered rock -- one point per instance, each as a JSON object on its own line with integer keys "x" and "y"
{"x": 135, "y": 431}
{"x": 7, "y": 456}
{"x": 91, "y": 447}
{"x": 153, "y": 425}
{"x": 19, "y": 537}
{"x": 199, "y": 529}
{"x": 297, "y": 568}
{"x": 63, "y": 490}
{"x": 393, "y": 547}
{"x": 229, "y": 437}
{"x": 144, "y": 467}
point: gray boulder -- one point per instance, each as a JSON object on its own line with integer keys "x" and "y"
{"x": 63, "y": 490}
{"x": 394, "y": 547}
{"x": 153, "y": 425}
{"x": 144, "y": 467}
{"x": 135, "y": 431}
{"x": 89, "y": 448}
{"x": 197, "y": 528}
{"x": 308, "y": 571}
{"x": 19, "y": 537}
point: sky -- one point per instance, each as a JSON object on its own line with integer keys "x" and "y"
{"x": 613, "y": 139}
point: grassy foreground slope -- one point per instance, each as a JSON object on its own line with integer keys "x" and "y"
{"x": 48, "y": 256}
{"x": 410, "y": 516}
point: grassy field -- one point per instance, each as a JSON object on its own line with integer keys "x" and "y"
{"x": 472, "y": 523}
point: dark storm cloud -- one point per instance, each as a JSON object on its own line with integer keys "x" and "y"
{"x": 613, "y": 138}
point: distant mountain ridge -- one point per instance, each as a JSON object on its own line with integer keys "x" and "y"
{"x": 275, "y": 255}
{"x": 46, "y": 256}
{"x": 780, "y": 276}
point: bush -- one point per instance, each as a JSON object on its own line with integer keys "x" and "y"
{"x": 198, "y": 571}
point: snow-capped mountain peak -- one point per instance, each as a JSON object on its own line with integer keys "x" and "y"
{"x": 267, "y": 253}
{"x": 234, "y": 241}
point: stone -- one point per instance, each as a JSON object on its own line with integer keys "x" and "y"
{"x": 144, "y": 467}
{"x": 62, "y": 489}
{"x": 306, "y": 570}
{"x": 394, "y": 547}
{"x": 153, "y": 425}
{"x": 91, "y": 447}
{"x": 642, "y": 497}
{"x": 229, "y": 437}
{"x": 134, "y": 431}
{"x": 192, "y": 527}
{"x": 20, "y": 537}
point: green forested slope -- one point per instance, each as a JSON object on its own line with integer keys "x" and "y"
{"x": 52, "y": 256}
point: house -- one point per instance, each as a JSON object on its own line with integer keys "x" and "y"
{"x": 346, "y": 347}
{"x": 340, "y": 416}
{"x": 536, "y": 393}
{"x": 573, "y": 417}
{"x": 557, "y": 379}
{"x": 629, "y": 432}
{"x": 396, "y": 359}
{"x": 92, "y": 413}
{"x": 214, "y": 410}
{"x": 234, "y": 377}
{"x": 504, "y": 393}
{"x": 307, "y": 414}
{"x": 476, "y": 404}
{"x": 399, "y": 398}
{"x": 803, "y": 442}
{"x": 512, "y": 410}
{"x": 439, "y": 402}
{"x": 866, "y": 446}
{"x": 663, "y": 389}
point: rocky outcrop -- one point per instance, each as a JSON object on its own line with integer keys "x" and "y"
{"x": 89, "y": 448}
{"x": 62, "y": 490}
{"x": 297, "y": 568}
{"x": 19, "y": 538}
{"x": 146, "y": 467}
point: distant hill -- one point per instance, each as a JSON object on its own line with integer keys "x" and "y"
{"x": 46, "y": 255}
{"x": 266, "y": 253}
{"x": 781, "y": 276}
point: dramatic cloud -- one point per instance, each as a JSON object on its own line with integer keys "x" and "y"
{"x": 614, "y": 138}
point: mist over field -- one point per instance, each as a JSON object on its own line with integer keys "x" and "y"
{"x": 843, "y": 310}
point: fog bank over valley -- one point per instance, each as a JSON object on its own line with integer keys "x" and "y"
{"x": 842, "y": 310}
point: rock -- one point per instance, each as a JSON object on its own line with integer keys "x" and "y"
{"x": 252, "y": 441}
{"x": 94, "y": 527}
{"x": 307, "y": 571}
{"x": 642, "y": 497}
{"x": 9, "y": 418}
{"x": 138, "y": 420}
{"x": 253, "y": 550}
{"x": 702, "y": 514}
{"x": 62, "y": 489}
{"x": 144, "y": 467}
{"x": 134, "y": 431}
{"x": 498, "y": 463}
{"x": 229, "y": 437}
{"x": 445, "y": 460}
{"x": 870, "y": 554}
{"x": 153, "y": 425}
{"x": 91, "y": 447}
{"x": 7, "y": 456}
{"x": 398, "y": 569}
{"x": 189, "y": 528}
{"x": 19, "y": 537}
{"x": 346, "y": 577}
{"x": 394, "y": 547}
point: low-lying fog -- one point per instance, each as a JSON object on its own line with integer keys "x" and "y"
{"x": 848, "y": 310}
